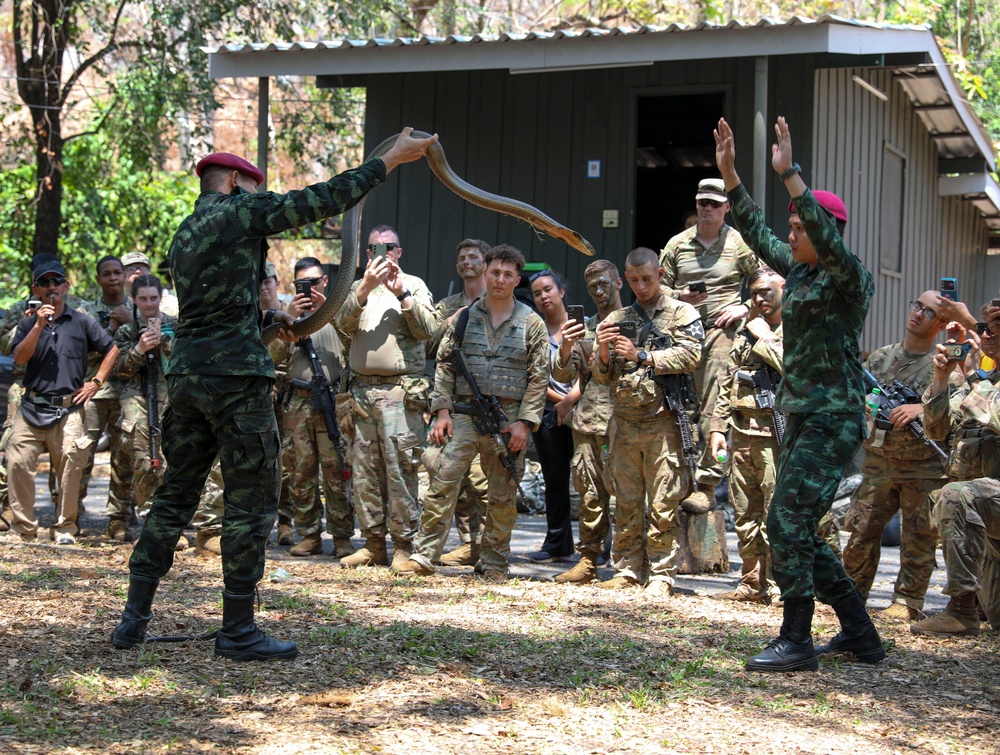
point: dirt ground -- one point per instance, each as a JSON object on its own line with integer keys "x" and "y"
{"x": 449, "y": 664}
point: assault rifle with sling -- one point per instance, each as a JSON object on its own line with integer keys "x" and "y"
{"x": 322, "y": 396}
{"x": 896, "y": 394}
{"x": 488, "y": 417}
{"x": 677, "y": 389}
{"x": 765, "y": 386}
{"x": 152, "y": 406}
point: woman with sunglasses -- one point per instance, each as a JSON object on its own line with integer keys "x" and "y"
{"x": 554, "y": 440}
{"x": 145, "y": 345}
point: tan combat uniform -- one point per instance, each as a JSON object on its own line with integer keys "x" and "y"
{"x": 646, "y": 453}
{"x": 510, "y": 362}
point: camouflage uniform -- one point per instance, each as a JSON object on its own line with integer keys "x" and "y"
{"x": 723, "y": 266}
{"x": 646, "y": 452}
{"x": 211, "y": 503}
{"x": 390, "y": 396}
{"x": 589, "y": 421}
{"x": 8, "y": 327}
{"x": 307, "y": 451}
{"x": 510, "y": 362}
{"x": 281, "y": 357}
{"x": 131, "y": 373}
{"x": 967, "y": 511}
{"x": 104, "y": 412}
{"x": 753, "y": 447}
{"x": 900, "y": 473}
{"x": 472, "y": 492}
{"x": 220, "y": 374}
{"x": 822, "y": 392}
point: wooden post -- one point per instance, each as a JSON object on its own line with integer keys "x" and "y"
{"x": 701, "y": 543}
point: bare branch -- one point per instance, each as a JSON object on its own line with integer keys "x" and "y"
{"x": 97, "y": 56}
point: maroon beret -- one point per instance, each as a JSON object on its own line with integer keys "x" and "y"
{"x": 829, "y": 201}
{"x": 229, "y": 160}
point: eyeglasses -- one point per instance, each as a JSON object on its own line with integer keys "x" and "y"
{"x": 312, "y": 281}
{"x": 47, "y": 282}
{"x": 389, "y": 247}
{"x": 540, "y": 274}
{"x": 709, "y": 203}
{"x": 927, "y": 312}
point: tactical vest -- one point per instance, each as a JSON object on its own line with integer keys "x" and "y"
{"x": 501, "y": 371}
{"x": 975, "y": 452}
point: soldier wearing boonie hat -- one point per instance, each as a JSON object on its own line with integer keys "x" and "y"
{"x": 220, "y": 378}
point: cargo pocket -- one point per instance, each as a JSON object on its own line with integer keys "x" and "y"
{"x": 408, "y": 452}
{"x": 345, "y": 414}
{"x": 256, "y": 443}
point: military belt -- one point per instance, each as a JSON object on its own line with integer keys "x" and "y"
{"x": 378, "y": 379}
{"x": 43, "y": 399}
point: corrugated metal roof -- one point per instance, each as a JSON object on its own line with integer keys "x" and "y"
{"x": 458, "y": 39}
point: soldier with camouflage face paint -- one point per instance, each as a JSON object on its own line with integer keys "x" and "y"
{"x": 220, "y": 379}
{"x": 827, "y": 294}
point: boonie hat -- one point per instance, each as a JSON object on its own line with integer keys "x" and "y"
{"x": 229, "y": 160}
{"x": 712, "y": 188}
{"x": 269, "y": 270}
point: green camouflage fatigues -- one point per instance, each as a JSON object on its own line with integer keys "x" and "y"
{"x": 211, "y": 503}
{"x": 822, "y": 393}
{"x": 723, "y": 266}
{"x": 589, "y": 421}
{"x": 967, "y": 512}
{"x": 510, "y": 362}
{"x": 280, "y": 355}
{"x": 8, "y": 328}
{"x": 753, "y": 448}
{"x": 220, "y": 374}
{"x": 131, "y": 372}
{"x": 104, "y": 412}
{"x": 646, "y": 453}
{"x": 472, "y": 494}
{"x": 900, "y": 473}
{"x": 389, "y": 406}
{"x": 307, "y": 451}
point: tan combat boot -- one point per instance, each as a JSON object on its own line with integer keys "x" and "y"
{"x": 285, "y": 534}
{"x": 467, "y": 554}
{"x": 310, "y": 545}
{"x": 401, "y": 552}
{"x": 701, "y": 501}
{"x": 958, "y": 619}
{"x": 8, "y": 517}
{"x": 584, "y": 571}
{"x": 207, "y": 542}
{"x": 900, "y": 612}
{"x": 411, "y": 568}
{"x": 342, "y": 546}
{"x": 372, "y": 554}
{"x": 619, "y": 583}
{"x": 749, "y": 590}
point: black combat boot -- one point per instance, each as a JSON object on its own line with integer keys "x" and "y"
{"x": 138, "y": 611}
{"x": 792, "y": 649}
{"x": 858, "y": 635}
{"x": 241, "y": 639}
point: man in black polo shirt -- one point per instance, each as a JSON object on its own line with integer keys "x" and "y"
{"x": 53, "y": 343}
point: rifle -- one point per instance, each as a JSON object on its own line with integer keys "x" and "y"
{"x": 152, "y": 406}
{"x": 322, "y": 397}
{"x": 678, "y": 392}
{"x": 487, "y": 417}
{"x": 893, "y": 395}
{"x": 765, "y": 387}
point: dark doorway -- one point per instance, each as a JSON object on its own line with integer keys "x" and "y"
{"x": 675, "y": 149}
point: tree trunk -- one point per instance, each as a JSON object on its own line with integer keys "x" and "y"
{"x": 48, "y": 199}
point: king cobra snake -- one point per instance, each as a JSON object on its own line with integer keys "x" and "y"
{"x": 351, "y": 230}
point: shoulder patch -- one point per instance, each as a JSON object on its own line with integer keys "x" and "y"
{"x": 695, "y": 330}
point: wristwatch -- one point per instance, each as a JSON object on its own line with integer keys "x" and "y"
{"x": 529, "y": 425}
{"x": 643, "y": 356}
{"x": 97, "y": 381}
{"x": 404, "y": 295}
{"x": 789, "y": 172}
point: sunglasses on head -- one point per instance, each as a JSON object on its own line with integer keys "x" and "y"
{"x": 389, "y": 247}
{"x": 709, "y": 203}
{"x": 58, "y": 280}
{"x": 540, "y": 274}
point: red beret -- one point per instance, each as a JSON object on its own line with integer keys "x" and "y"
{"x": 829, "y": 202}
{"x": 228, "y": 160}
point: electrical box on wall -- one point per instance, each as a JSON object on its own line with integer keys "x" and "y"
{"x": 610, "y": 219}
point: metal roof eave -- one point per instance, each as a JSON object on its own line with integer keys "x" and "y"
{"x": 978, "y": 188}
{"x": 535, "y": 51}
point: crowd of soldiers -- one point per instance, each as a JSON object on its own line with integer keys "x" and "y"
{"x": 360, "y": 415}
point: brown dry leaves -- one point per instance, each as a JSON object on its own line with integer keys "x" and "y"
{"x": 450, "y": 665}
